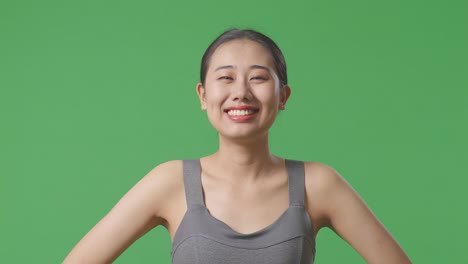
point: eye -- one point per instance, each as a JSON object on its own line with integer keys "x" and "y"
{"x": 259, "y": 78}
{"x": 225, "y": 78}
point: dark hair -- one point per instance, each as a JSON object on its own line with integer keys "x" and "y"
{"x": 233, "y": 34}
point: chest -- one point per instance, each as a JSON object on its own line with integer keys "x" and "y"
{"x": 247, "y": 210}
{"x": 244, "y": 224}
{"x": 243, "y": 208}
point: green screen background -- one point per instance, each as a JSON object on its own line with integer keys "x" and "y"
{"x": 94, "y": 94}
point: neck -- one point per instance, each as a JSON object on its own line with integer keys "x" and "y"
{"x": 245, "y": 160}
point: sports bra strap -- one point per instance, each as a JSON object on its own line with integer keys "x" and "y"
{"x": 194, "y": 191}
{"x": 192, "y": 183}
{"x": 296, "y": 182}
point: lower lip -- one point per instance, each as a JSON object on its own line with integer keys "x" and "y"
{"x": 241, "y": 118}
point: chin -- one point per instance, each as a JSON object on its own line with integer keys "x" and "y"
{"x": 243, "y": 134}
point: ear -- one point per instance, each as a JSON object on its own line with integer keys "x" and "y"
{"x": 201, "y": 95}
{"x": 284, "y": 93}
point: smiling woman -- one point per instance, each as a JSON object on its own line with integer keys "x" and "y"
{"x": 241, "y": 82}
{"x": 242, "y": 204}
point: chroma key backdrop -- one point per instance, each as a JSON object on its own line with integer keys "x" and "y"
{"x": 94, "y": 94}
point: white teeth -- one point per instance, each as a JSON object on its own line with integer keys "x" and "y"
{"x": 240, "y": 112}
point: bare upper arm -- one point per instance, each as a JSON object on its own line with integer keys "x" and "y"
{"x": 138, "y": 211}
{"x": 335, "y": 204}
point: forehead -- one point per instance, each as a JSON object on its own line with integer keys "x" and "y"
{"x": 241, "y": 52}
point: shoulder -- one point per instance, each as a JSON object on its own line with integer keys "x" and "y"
{"x": 323, "y": 185}
{"x": 162, "y": 185}
{"x": 166, "y": 173}
{"x": 320, "y": 177}
{"x": 166, "y": 176}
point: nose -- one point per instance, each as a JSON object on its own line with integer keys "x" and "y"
{"x": 241, "y": 91}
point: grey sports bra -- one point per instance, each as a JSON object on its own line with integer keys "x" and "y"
{"x": 203, "y": 239}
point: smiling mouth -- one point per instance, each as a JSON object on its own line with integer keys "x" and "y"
{"x": 241, "y": 112}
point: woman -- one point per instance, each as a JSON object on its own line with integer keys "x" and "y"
{"x": 241, "y": 204}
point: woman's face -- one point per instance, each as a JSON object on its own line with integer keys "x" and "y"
{"x": 242, "y": 93}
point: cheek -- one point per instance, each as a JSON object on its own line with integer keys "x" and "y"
{"x": 268, "y": 95}
{"x": 215, "y": 97}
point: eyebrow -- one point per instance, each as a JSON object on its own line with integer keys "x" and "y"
{"x": 224, "y": 67}
{"x": 255, "y": 66}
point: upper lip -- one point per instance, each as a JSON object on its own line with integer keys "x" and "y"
{"x": 240, "y": 107}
